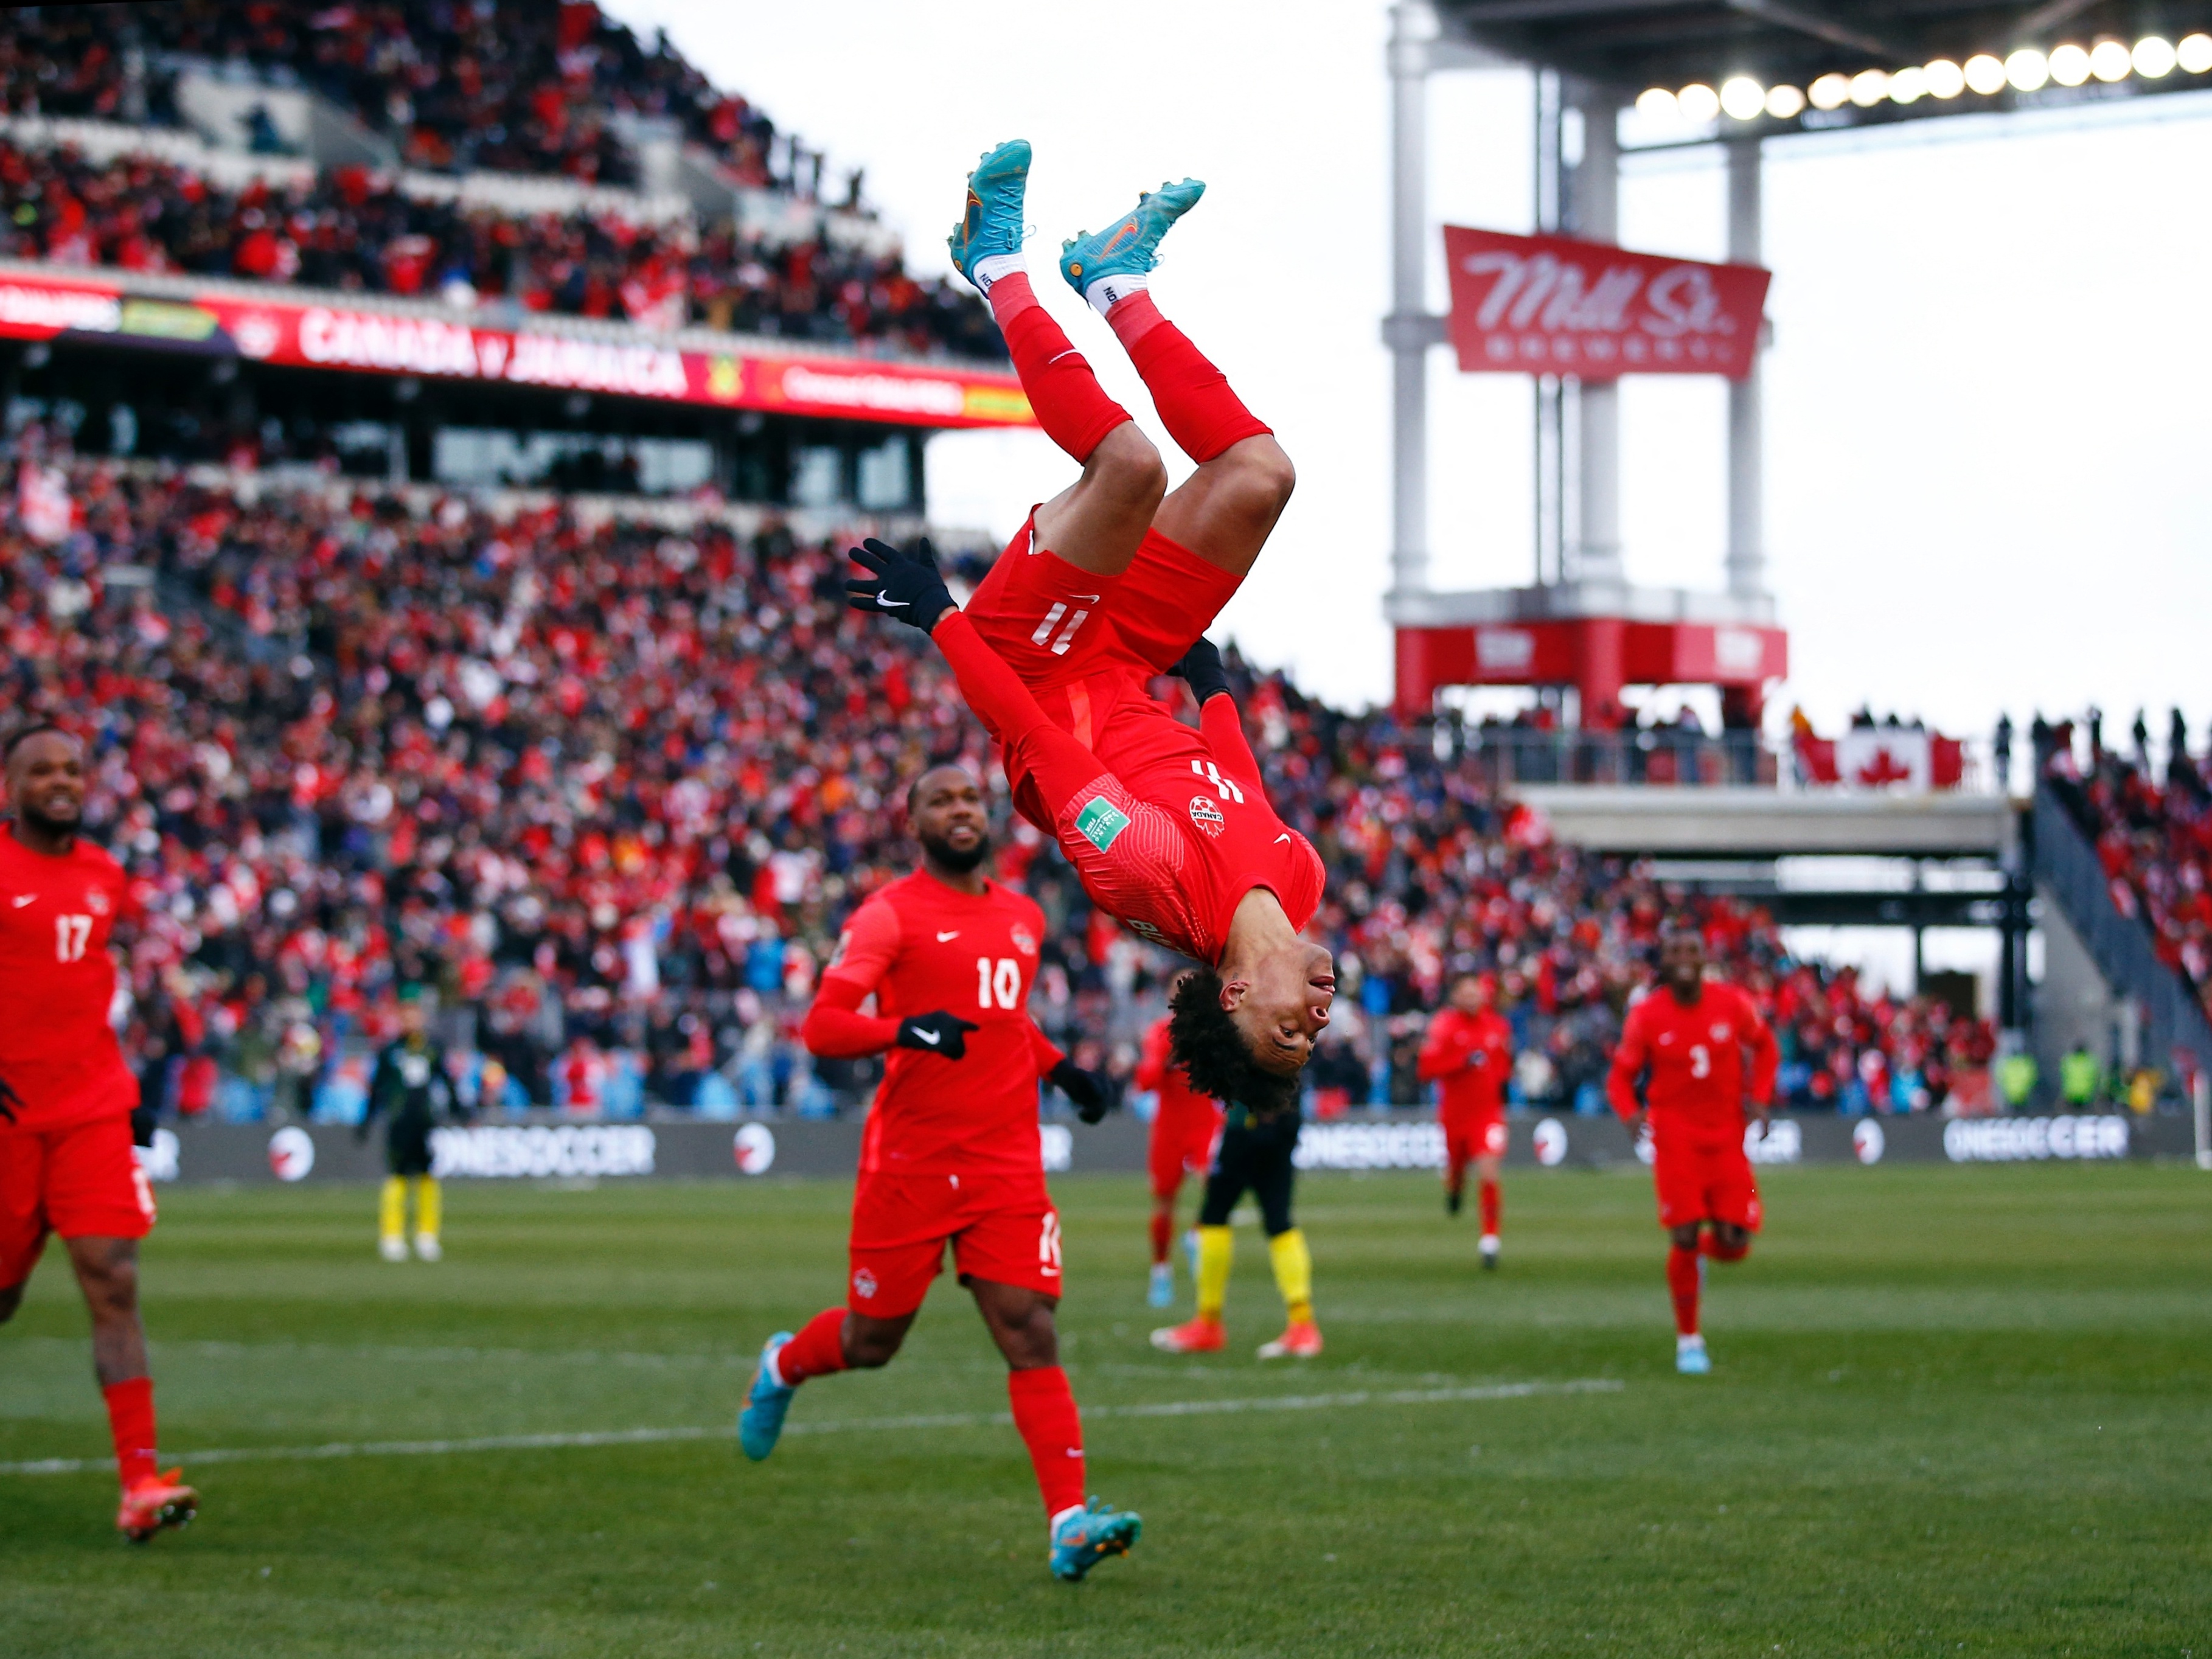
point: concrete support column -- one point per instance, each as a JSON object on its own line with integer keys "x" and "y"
{"x": 1747, "y": 443}
{"x": 1596, "y": 205}
{"x": 1408, "y": 331}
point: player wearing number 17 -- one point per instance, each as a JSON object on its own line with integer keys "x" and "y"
{"x": 951, "y": 1154}
{"x": 66, "y": 1164}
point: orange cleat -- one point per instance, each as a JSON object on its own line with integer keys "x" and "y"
{"x": 1299, "y": 1340}
{"x": 158, "y": 1502}
{"x": 1203, "y": 1335}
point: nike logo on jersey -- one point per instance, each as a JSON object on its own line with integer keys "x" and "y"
{"x": 955, "y": 934}
{"x": 930, "y": 1037}
{"x": 1285, "y": 835}
{"x": 1080, "y": 598}
{"x": 22, "y": 899}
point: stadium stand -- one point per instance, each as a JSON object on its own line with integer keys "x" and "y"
{"x": 610, "y": 780}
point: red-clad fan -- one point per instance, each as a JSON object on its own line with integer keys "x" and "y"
{"x": 951, "y": 1156}
{"x": 1185, "y": 1127}
{"x": 66, "y": 1161}
{"x": 1685, "y": 1041}
{"x": 1469, "y": 1054}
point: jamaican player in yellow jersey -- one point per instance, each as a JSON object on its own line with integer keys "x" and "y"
{"x": 411, "y": 1090}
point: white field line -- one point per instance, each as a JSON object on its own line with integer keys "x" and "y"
{"x": 495, "y": 1443}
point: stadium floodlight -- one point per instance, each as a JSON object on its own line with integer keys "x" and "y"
{"x": 1657, "y": 104}
{"x": 1984, "y": 74}
{"x": 2194, "y": 53}
{"x": 1870, "y": 87}
{"x": 1785, "y": 103}
{"x": 1743, "y": 98}
{"x": 1697, "y": 102}
{"x": 2069, "y": 65}
{"x": 1945, "y": 78}
{"x": 2027, "y": 69}
{"x": 2111, "y": 61}
{"x": 1833, "y": 91}
{"x": 2154, "y": 57}
{"x": 1907, "y": 85}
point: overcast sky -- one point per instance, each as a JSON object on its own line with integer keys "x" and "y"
{"x": 1988, "y": 418}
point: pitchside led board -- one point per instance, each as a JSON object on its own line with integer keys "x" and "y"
{"x": 1553, "y": 304}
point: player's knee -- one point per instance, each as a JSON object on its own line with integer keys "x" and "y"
{"x": 112, "y": 1290}
{"x": 1267, "y": 474}
{"x": 1127, "y": 465}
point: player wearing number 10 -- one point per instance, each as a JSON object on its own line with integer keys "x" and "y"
{"x": 951, "y": 1154}
{"x": 66, "y": 1164}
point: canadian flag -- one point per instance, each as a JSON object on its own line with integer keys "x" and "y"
{"x": 43, "y": 503}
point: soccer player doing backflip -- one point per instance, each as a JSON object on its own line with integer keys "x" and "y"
{"x": 951, "y": 1155}
{"x": 1114, "y": 582}
{"x": 1685, "y": 1039}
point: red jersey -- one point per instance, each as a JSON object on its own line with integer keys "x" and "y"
{"x": 1470, "y": 1057}
{"x": 918, "y": 946}
{"x": 58, "y": 985}
{"x": 1181, "y": 1105}
{"x": 1695, "y": 1054}
{"x": 1167, "y": 826}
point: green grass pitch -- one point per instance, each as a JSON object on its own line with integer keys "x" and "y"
{"x": 1954, "y": 1412}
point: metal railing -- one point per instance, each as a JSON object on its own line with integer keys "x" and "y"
{"x": 1662, "y": 756}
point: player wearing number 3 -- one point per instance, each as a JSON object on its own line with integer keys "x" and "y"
{"x": 951, "y": 1154}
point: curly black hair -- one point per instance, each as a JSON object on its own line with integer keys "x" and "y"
{"x": 1206, "y": 1044}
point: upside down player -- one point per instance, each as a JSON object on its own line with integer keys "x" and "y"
{"x": 1469, "y": 1054}
{"x": 951, "y": 1154}
{"x": 1114, "y": 582}
{"x": 1184, "y": 1130}
{"x": 1687, "y": 1037}
{"x": 66, "y": 1163}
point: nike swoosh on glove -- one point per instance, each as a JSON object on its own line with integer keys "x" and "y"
{"x": 939, "y": 1033}
{"x": 1086, "y": 1089}
{"x": 1200, "y": 669}
{"x": 906, "y": 585}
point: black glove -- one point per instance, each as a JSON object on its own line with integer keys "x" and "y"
{"x": 10, "y": 1100}
{"x": 905, "y": 585}
{"x": 141, "y": 1125}
{"x": 1086, "y": 1089}
{"x": 1200, "y": 669}
{"x": 939, "y": 1033}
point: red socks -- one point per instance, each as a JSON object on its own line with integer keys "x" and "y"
{"x": 1044, "y": 1412}
{"x": 1070, "y": 405}
{"x": 816, "y": 1350}
{"x": 131, "y": 1421}
{"x": 1491, "y": 1204}
{"x": 1201, "y": 414}
{"x": 1682, "y": 1285}
{"x": 1163, "y": 1237}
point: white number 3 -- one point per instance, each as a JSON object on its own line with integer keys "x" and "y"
{"x": 1701, "y": 1060}
{"x": 70, "y": 934}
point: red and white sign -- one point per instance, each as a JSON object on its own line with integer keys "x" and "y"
{"x": 306, "y": 333}
{"x": 1553, "y": 304}
{"x": 1884, "y": 757}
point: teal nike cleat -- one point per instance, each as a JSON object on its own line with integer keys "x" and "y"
{"x": 1161, "y": 1292}
{"x": 1081, "y": 1541}
{"x": 759, "y": 1426}
{"x": 1691, "y": 1358}
{"x": 1131, "y": 245}
{"x": 991, "y": 222}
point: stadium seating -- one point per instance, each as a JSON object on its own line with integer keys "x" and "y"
{"x": 611, "y": 784}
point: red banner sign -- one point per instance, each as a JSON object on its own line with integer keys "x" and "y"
{"x": 1552, "y": 305}
{"x": 286, "y": 329}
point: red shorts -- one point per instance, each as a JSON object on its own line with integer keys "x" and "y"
{"x": 1478, "y": 1135}
{"x": 82, "y": 1182}
{"x": 1054, "y": 623}
{"x": 1182, "y": 1144}
{"x": 1002, "y": 1228}
{"x": 1705, "y": 1182}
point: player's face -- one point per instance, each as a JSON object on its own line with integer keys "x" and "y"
{"x": 1682, "y": 962}
{"x": 950, "y": 818}
{"x": 45, "y": 781}
{"x": 1284, "y": 1009}
{"x": 1469, "y": 995}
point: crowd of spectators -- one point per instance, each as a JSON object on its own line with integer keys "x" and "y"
{"x": 610, "y": 789}
{"x": 351, "y": 229}
{"x": 509, "y": 86}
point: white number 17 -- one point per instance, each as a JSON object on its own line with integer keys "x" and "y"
{"x": 70, "y": 934}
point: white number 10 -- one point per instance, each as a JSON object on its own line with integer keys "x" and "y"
{"x": 1001, "y": 980}
{"x": 69, "y": 935}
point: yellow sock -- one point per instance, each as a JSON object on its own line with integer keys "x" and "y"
{"x": 1216, "y": 1249}
{"x": 391, "y": 1208}
{"x": 427, "y": 1205}
{"x": 1293, "y": 1274}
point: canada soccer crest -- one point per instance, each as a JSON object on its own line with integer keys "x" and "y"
{"x": 864, "y": 1284}
{"x": 1206, "y": 815}
{"x": 95, "y": 901}
{"x": 1025, "y": 941}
